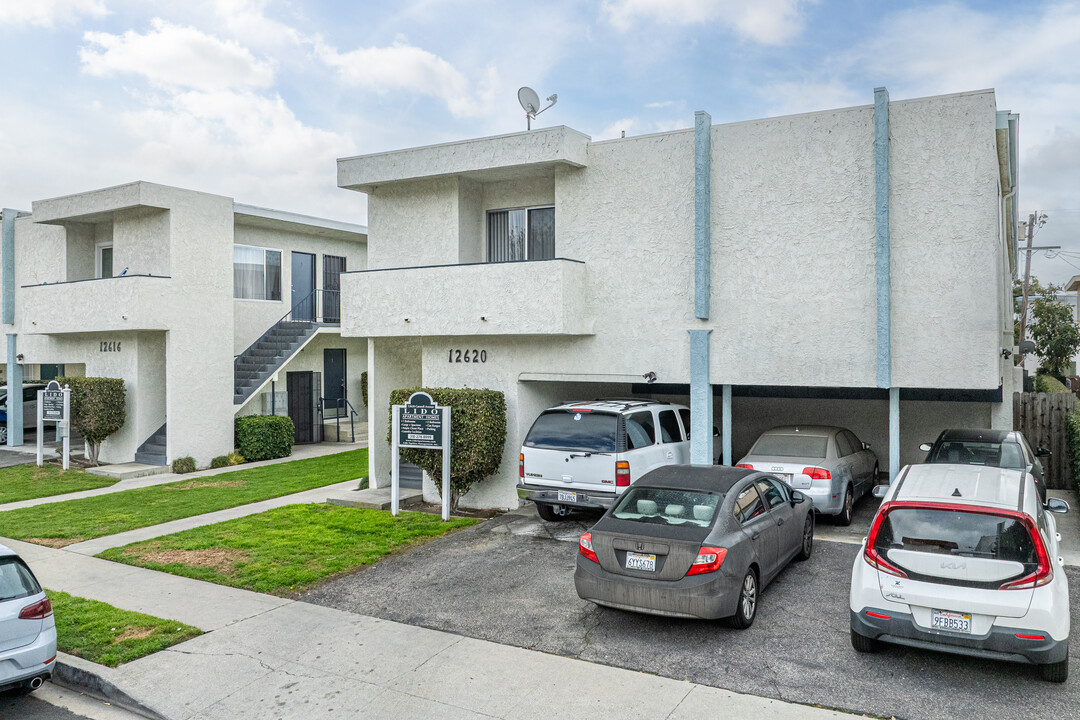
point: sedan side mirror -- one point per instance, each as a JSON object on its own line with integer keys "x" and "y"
{"x": 1057, "y": 505}
{"x": 797, "y": 497}
{"x": 1043, "y": 452}
{"x": 866, "y": 446}
{"x": 879, "y": 491}
{"x": 926, "y": 447}
{"x": 715, "y": 431}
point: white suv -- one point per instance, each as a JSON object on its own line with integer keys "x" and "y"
{"x": 584, "y": 454}
{"x": 964, "y": 559}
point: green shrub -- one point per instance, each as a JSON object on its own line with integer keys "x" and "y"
{"x": 220, "y": 461}
{"x": 1049, "y": 384}
{"x": 1072, "y": 442}
{"x": 478, "y": 431}
{"x": 236, "y": 458}
{"x": 264, "y": 437}
{"x": 363, "y": 386}
{"x": 97, "y": 409}
{"x": 183, "y": 465}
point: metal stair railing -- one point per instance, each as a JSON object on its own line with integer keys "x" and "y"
{"x": 320, "y": 307}
{"x": 339, "y": 404}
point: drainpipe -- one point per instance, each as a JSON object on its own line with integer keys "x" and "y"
{"x": 14, "y": 368}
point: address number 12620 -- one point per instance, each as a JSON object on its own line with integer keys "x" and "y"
{"x": 469, "y": 356}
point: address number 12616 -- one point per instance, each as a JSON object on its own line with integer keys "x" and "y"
{"x": 469, "y": 356}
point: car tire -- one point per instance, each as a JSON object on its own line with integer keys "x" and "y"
{"x": 863, "y": 644}
{"x": 550, "y": 514}
{"x": 1055, "y": 672}
{"x": 746, "y": 609}
{"x": 847, "y": 510}
{"x": 807, "y": 546}
{"x": 3, "y": 434}
{"x": 877, "y": 474}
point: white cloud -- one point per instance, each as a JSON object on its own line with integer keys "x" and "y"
{"x": 405, "y": 67}
{"x": 636, "y": 126}
{"x": 770, "y": 22}
{"x": 175, "y": 56}
{"x": 48, "y": 13}
{"x": 659, "y": 105}
{"x": 247, "y": 21}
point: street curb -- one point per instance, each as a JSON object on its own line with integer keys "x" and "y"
{"x": 84, "y": 676}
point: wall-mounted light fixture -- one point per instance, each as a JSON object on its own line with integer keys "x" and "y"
{"x": 650, "y": 377}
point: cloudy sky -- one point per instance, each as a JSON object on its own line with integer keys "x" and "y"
{"x": 254, "y": 99}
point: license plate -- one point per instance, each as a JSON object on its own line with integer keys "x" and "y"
{"x": 951, "y": 621}
{"x": 567, "y": 496}
{"x": 786, "y": 477}
{"x": 639, "y": 561}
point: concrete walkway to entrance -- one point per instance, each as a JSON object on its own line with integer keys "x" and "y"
{"x": 268, "y": 657}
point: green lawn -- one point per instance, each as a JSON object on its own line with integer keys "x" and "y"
{"x": 109, "y": 636}
{"x": 62, "y": 523}
{"x": 285, "y": 550}
{"x": 23, "y": 482}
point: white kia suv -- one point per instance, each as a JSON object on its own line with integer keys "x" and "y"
{"x": 964, "y": 559}
{"x": 27, "y": 627}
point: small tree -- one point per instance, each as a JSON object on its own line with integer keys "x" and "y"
{"x": 1054, "y": 330}
{"x": 477, "y": 434}
{"x": 97, "y": 409}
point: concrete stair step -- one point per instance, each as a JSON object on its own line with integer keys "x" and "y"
{"x": 376, "y": 498}
{"x": 129, "y": 471}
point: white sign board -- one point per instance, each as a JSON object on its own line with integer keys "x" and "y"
{"x": 424, "y": 424}
{"x": 54, "y": 405}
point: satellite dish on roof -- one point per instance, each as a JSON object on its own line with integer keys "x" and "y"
{"x": 530, "y": 103}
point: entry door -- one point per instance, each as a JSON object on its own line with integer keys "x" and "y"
{"x": 333, "y": 266}
{"x": 334, "y": 377}
{"x": 303, "y": 285}
{"x": 301, "y": 405}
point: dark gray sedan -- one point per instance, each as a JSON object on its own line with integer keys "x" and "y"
{"x": 696, "y": 541}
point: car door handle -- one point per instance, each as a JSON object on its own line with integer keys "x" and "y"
{"x": 779, "y": 521}
{"x": 670, "y": 454}
{"x": 755, "y": 536}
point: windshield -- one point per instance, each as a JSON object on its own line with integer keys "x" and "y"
{"x": 799, "y": 446}
{"x": 16, "y": 580}
{"x": 976, "y": 452}
{"x": 579, "y": 430}
{"x": 665, "y": 506}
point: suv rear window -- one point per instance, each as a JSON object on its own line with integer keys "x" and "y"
{"x": 583, "y": 431}
{"x": 802, "y": 446}
{"x": 16, "y": 580}
{"x": 666, "y": 506}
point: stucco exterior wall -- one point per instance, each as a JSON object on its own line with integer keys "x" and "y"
{"x": 418, "y": 221}
{"x": 392, "y": 363}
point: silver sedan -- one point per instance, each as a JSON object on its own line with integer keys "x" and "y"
{"x": 828, "y": 464}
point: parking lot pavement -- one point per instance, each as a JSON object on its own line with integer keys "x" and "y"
{"x": 512, "y": 582}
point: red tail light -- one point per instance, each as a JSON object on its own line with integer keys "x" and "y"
{"x": 1023, "y": 636}
{"x": 871, "y": 555}
{"x": 622, "y": 473}
{"x": 38, "y": 611}
{"x": 817, "y": 473}
{"x": 521, "y": 465}
{"x": 748, "y": 466}
{"x": 585, "y": 547}
{"x": 1044, "y": 573}
{"x": 879, "y": 615}
{"x": 709, "y": 560}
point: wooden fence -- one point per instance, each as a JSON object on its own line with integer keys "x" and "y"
{"x": 1041, "y": 417}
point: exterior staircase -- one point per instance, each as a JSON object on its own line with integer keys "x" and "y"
{"x": 152, "y": 452}
{"x": 267, "y": 354}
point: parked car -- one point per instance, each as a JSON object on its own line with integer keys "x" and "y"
{"x": 585, "y": 454}
{"x": 964, "y": 559}
{"x": 27, "y": 627}
{"x": 828, "y": 464}
{"x": 694, "y": 541}
{"x": 997, "y": 448}
{"x": 29, "y": 393}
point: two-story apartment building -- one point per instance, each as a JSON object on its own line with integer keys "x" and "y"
{"x": 849, "y": 267}
{"x": 207, "y": 308}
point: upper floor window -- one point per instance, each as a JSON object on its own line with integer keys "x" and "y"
{"x": 256, "y": 273}
{"x": 524, "y": 234}
{"x": 103, "y": 260}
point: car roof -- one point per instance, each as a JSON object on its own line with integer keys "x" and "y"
{"x": 816, "y": 430}
{"x": 974, "y": 434}
{"x": 708, "y": 478}
{"x": 612, "y": 405}
{"x": 5, "y": 551}
{"x": 962, "y": 485}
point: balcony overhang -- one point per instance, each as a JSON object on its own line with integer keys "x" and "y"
{"x": 131, "y": 302}
{"x": 501, "y": 157}
{"x": 100, "y": 205}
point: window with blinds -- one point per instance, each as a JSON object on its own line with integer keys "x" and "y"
{"x": 524, "y": 234}
{"x": 256, "y": 273}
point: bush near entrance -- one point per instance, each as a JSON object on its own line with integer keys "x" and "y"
{"x": 478, "y": 432}
{"x": 264, "y": 437}
{"x": 97, "y": 409}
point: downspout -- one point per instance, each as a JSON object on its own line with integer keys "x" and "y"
{"x": 7, "y": 315}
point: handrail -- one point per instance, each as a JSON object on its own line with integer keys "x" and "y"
{"x": 341, "y": 404}
{"x": 319, "y": 306}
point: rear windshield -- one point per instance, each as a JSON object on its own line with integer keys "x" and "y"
{"x": 970, "y": 452}
{"x": 16, "y": 580}
{"x": 666, "y": 506}
{"x": 574, "y": 430}
{"x": 801, "y": 446}
{"x": 959, "y": 534}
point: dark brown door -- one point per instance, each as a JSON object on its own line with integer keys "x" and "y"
{"x": 301, "y": 405}
{"x": 333, "y": 266}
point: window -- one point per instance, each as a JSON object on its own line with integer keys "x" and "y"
{"x": 843, "y": 445}
{"x": 640, "y": 430}
{"x": 798, "y": 446}
{"x": 669, "y": 427}
{"x": 856, "y": 444}
{"x": 104, "y": 260}
{"x": 256, "y": 273}
{"x": 666, "y": 506}
{"x": 525, "y": 234}
{"x": 684, "y": 415}
{"x": 748, "y": 505}
{"x": 16, "y": 580}
{"x": 772, "y": 491}
{"x": 977, "y": 452}
{"x": 574, "y": 430}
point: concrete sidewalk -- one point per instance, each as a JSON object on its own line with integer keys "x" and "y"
{"x": 267, "y": 657}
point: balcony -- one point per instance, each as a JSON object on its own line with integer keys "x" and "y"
{"x": 536, "y": 297}
{"x": 131, "y": 302}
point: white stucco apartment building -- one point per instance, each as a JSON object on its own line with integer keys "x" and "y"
{"x": 201, "y": 304}
{"x": 848, "y": 267}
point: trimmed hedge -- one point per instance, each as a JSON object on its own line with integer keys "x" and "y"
{"x": 264, "y": 437}
{"x": 478, "y": 432}
{"x": 1072, "y": 442}
{"x": 363, "y": 386}
{"x": 183, "y": 465}
{"x": 1049, "y": 384}
{"x": 97, "y": 409}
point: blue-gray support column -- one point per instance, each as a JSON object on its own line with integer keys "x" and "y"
{"x": 7, "y": 257}
{"x": 894, "y": 433}
{"x": 701, "y": 400}
{"x": 725, "y": 418}
{"x": 14, "y": 383}
{"x": 881, "y": 233}
{"x": 702, "y": 221}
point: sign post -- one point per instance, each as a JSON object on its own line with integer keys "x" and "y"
{"x": 423, "y": 424}
{"x": 54, "y": 405}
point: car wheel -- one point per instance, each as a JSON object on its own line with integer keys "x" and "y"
{"x": 1055, "y": 672}
{"x": 552, "y": 513}
{"x": 807, "y": 538}
{"x": 748, "y": 598}
{"x": 877, "y": 474}
{"x": 862, "y": 644}
{"x": 3, "y": 434}
{"x": 844, "y": 518}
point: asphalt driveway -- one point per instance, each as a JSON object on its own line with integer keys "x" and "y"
{"x": 510, "y": 580}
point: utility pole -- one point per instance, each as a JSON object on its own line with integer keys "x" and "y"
{"x": 1027, "y": 277}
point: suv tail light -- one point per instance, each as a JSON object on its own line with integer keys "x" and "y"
{"x": 585, "y": 547}
{"x": 709, "y": 560}
{"x": 521, "y": 465}
{"x": 1043, "y": 574}
{"x": 748, "y": 466}
{"x": 817, "y": 473}
{"x": 38, "y": 611}
{"x": 870, "y": 554}
{"x": 622, "y": 473}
